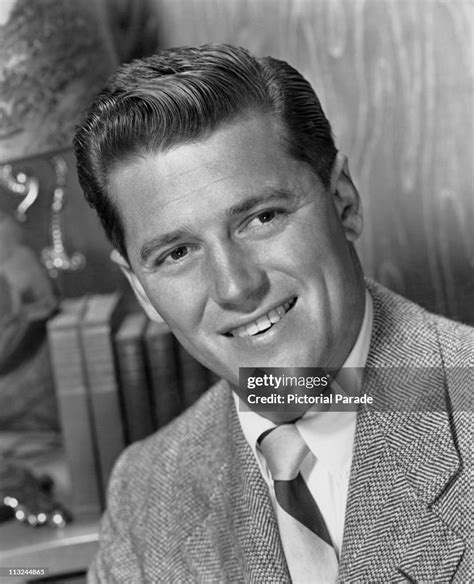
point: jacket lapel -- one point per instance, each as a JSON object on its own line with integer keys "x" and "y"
{"x": 233, "y": 532}
{"x": 254, "y": 521}
{"x": 405, "y": 462}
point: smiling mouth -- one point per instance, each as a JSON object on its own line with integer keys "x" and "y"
{"x": 263, "y": 323}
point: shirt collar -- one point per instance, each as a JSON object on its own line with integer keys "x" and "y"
{"x": 329, "y": 435}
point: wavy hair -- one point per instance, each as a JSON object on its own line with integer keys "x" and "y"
{"x": 183, "y": 94}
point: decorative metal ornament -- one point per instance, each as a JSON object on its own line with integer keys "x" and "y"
{"x": 55, "y": 258}
{"x": 22, "y": 185}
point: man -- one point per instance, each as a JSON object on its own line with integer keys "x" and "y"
{"x": 234, "y": 217}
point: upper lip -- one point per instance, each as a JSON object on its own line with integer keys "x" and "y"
{"x": 255, "y": 317}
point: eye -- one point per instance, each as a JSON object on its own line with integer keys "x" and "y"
{"x": 266, "y": 216}
{"x": 178, "y": 253}
{"x": 176, "y": 256}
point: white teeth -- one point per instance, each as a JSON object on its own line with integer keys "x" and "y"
{"x": 240, "y": 332}
{"x": 281, "y": 311}
{"x": 263, "y": 323}
{"x": 273, "y": 316}
{"x": 252, "y": 328}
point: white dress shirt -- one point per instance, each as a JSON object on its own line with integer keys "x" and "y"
{"x": 330, "y": 438}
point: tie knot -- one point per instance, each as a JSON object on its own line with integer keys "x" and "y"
{"x": 284, "y": 450}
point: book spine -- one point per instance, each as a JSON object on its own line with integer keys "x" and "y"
{"x": 104, "y": 397}
{"x": 71, "y": 391}
{"x": 135, "y": 387}
{"x": 163, "y": 368}
{"x": 194, "y": 377}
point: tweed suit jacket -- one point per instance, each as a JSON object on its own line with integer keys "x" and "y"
{"x": 189, "y": 504}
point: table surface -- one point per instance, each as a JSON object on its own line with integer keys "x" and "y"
{"x": 69, "y": 549}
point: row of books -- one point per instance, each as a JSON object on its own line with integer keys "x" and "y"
{"x": 118, "y": 378}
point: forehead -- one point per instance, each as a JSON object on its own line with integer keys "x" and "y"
{"x": 252, "y": 141}
{"x": 195, "y": 183}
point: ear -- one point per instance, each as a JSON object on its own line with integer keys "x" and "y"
{"x": 136, "y": 285}
{"x": 346, "y": 198}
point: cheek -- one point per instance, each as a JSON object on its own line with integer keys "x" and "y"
{"x": 329, "y": 251}
{"x": 178, "y": 301}
{"x": 304, "y": 253}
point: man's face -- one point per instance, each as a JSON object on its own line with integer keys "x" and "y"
{"x": 241, "y": 251}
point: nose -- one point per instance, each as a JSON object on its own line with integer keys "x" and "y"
{"x": 235, "y": 280}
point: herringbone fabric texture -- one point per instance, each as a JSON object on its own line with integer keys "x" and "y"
{"x": 189, "y": 504}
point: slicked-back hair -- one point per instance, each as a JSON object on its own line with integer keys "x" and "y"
{"x": 183, "y": 94}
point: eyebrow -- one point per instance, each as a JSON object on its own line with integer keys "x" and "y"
{"x": 151, "y": 246}
{"x": 266, "y": 197}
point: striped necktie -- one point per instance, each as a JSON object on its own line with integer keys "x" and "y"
{"x": 304, "y": 533}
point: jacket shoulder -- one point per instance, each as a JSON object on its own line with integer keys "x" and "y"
{"x": 161, "y": 452}
{"x": 457, "y": 342}
{"x": 404, "y": 333}
{"x": 153, "y": 486}
{"x": 407, "y": 335}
